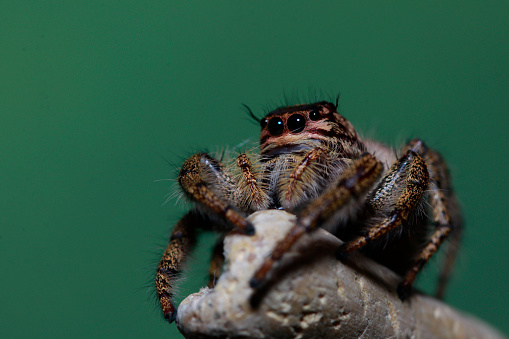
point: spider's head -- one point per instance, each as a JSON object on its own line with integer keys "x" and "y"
{"x": 301, "y": 127}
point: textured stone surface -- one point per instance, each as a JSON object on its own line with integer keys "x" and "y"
{"x": 313, "y": 295}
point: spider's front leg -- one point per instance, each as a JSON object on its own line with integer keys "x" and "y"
{"x": 355, "y": 181}
{"x": 446, "y": 219}
{"x": 412, "y": 171}
{"x": 204, "y": 180}
{"x": 198, "y": 175}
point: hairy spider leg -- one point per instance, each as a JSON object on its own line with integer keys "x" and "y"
{"x": 415, "y": 170}
{"x": 446, "y": 220}
{"x": 193, "y": 179}
{"x": 415, "y": 173}
{"x": 355, "y": 181}
{"x": 216, "y": 262}
{"x": 182, "y": 241}
{"x": 257, "y": 197}
{"x": 295, "y": 181}
{"x": 197, "y": 174}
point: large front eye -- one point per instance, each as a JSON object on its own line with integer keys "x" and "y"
{"x": 276, "y": 126}
{"x": 296, "y": 123}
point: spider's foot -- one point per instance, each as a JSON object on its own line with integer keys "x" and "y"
{"x": 341, "y": 254}
{"x": 259, "y": 279}
{"x": 404, "y": 290}
{"x": 170, "y": 317}
{"x": 261, "y": 276}
{"x": 255, "y": 283}
{"x": 249, "y": 230}
{"x": 169, "y": 311}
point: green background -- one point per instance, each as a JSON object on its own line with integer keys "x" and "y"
{"x": 97, "y": 97}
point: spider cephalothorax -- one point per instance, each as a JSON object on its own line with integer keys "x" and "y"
{"x": 313, "y": 163}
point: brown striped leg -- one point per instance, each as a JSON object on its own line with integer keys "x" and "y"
{"x": 296, "y": 177}
{"x": 454, "y": 218}
{"x": 197, "y": 175}
{"x": 216, "y": 263}
{"x": 356, "y": 180}
{"x": 182, "y": 240}
{"x": 255, "y": 196}
{"x": 412, "y": 168}
{"x": 446, "y": 221}
{"x": 450, "y": 258}
{"x": 417, "y": 180}
{"x": 437, "y": 239}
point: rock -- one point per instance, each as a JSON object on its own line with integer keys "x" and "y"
{"x": 311, "y": 294}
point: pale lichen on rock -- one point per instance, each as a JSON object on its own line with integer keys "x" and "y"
{"x": 311, "y": 294}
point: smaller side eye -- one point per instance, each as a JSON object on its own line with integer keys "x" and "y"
{"x": 314, "y": 115}
{"x": 263, "y": 122}
{"x": 276, "y": 126}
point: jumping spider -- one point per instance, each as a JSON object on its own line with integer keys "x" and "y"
{"x": 313, "y": 163}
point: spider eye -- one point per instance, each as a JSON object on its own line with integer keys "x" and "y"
{"x": 276, "y": 126}
{"x": 314, "y": 115}
{"x": 296, "y": 123}
{"x": 263, "y": 122}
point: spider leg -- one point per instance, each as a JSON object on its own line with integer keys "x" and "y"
{"x": 446, "y": 220}
{"x": 294, "y": 189}
{"x": 182, "y": 240}
{"x": 216, "y": 263}
{"x": 450, "y": 259}
{"x": 196, "y": 176}
{"x": 200, "y": 177}
{"x": 412, "y": 168}
{"x": 355, "y": 181}
{"x": 253, "y": 194}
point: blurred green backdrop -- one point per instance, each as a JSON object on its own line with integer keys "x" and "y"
{"x": 97, "y": 96}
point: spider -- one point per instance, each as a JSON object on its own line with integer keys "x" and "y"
{"x": 395, "y": 207}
